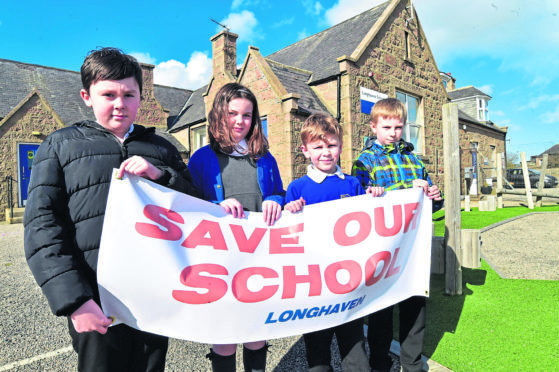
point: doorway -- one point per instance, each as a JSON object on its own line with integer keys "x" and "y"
{"x": 25, "y": 157}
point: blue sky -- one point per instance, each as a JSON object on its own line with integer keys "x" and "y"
{"x": 507, "y": 48}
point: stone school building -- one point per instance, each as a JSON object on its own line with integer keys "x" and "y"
{"x": 382, "y": 52}
{"x": 340, "y": 71}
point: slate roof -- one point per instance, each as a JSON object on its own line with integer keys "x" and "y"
{"x": 466, "y": 92}
{"x": 169, "y": 137}
{"x": 296, "y": 81}
{"x": 552, "y": 150}
{"x": 194, "y": 110}
{"x": 61, "y": 89}
{"x": 318, "y": 53}
{"x": 171, "y": 99}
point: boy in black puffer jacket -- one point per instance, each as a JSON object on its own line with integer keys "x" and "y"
{"x": 67, "y": 197}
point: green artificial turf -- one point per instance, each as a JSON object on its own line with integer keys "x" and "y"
{"x": 496, "y": 324}
{"x": 477, "y": 220}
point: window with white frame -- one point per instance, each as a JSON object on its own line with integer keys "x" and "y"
{"x": 482, "y": 109}
{"x": 199, "y": 138}
{"x": 413, "y": 128}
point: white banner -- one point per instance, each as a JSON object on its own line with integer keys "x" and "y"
{"x": 178, "y": 266}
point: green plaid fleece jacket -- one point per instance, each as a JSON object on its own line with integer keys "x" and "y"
{"x": 393, "y": 167}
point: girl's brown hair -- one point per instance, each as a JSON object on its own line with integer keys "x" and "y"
{"x": 218, "y": 129}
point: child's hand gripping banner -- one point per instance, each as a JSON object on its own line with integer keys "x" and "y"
{"x": 178, "y": 266}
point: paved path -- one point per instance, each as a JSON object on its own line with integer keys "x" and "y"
{"x": 526, "y": 247}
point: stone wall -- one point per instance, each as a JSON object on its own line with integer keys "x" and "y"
{"x": 150, "y": 112}
{"x": 415, "y": 74}
{"x": 33, "y": 115}
{"x": 485, "y": 138}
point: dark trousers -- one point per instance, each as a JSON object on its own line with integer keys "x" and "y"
{"x": 122, "y": 348}
{"x": 412, "y": 331}
{"x": 351, "y": 343}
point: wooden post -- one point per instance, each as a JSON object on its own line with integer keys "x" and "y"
{"x": 541, "y": 183}
{"x": 478, "y": 175}
{"x": 500, "y": 180}
{"x": 452, "y": 184}
{"x": 467, "y": 204}
{"x": 527, "y": 181}
{"x": 471, "y": 248}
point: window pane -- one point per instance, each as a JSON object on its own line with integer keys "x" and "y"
{"x": 265, "y": 127}
{"x": 412, "y": 109}
{"x": 414, "y": 136}
{"x": 401, "y": 97}
{"x": 198, "y": 138}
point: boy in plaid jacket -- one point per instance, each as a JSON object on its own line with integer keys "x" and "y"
{"x": 388, "y": 163}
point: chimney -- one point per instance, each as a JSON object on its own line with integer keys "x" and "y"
{"x": 224, "y": 50}
{"x": 147, "y": 79}
{"x": 451, "y": 85}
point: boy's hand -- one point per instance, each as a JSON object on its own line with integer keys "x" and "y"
{"x": 422, "y": 184}
{"x": 434, "y": 193}
{"x": 89, "y": 317}
{"x": 296, "y": 205}
{"x": 233, "y": 207}
{"x": 139, "y": 166}
{"x": 375, "y": 191}
{"x": 271, "y": 211}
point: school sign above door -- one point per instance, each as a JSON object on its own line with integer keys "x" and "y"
{"x": 368, "y": 99}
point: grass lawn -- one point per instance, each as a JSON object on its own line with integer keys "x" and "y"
{"x": 477, "y": 220}
{"x": 496, "y": 324}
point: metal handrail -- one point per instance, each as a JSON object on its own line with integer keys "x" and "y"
{"x": 10, "y": 189}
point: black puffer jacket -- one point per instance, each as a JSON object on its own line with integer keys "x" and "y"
{"x": 68, "y": 193}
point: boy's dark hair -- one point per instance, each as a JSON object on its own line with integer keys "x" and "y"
{"x": 390, "y": 108}
{"x": 109, "y": 64}
{"x": 218, "y": 128}
{"x": 317, "y": 126}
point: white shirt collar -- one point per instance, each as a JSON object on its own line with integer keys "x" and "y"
{"x": 318, "y": 176}
{"x": 242, "y": 146}
{"x": 129, "y": 131}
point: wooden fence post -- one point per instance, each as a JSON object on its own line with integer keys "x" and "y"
{"x": 452, "y": 184}
{"x": 527, "y": 181}
{"x": 541, "y": 183}
{"x": 500, "y": 180}
{"x": 471, "y": 248}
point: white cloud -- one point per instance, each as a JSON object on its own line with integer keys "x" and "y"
{"x": 239, "y": 3}
{"x": 345, "y": 9}
{"x": 284, "y": 22}
{"x": 515, "y": 32}
{"x": 312, "y": 7}
{"x": 144, "y": 57}
{"x": 487, "y": 89}
{"x": 243, "y": 24}
{"x": 302, "y": 34}
{"x": 551, "y": 116}
{"x": 236, "y": 4}
{"x": 196, "y": 73}
{"x": 497, "y": 113}
{"x": 534, "y": 103}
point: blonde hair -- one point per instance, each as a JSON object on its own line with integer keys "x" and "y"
{"x": 317, "y": 126}
{"x": 390, "y": 108}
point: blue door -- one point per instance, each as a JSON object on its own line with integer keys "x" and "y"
{"x": 26, "y": 154}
